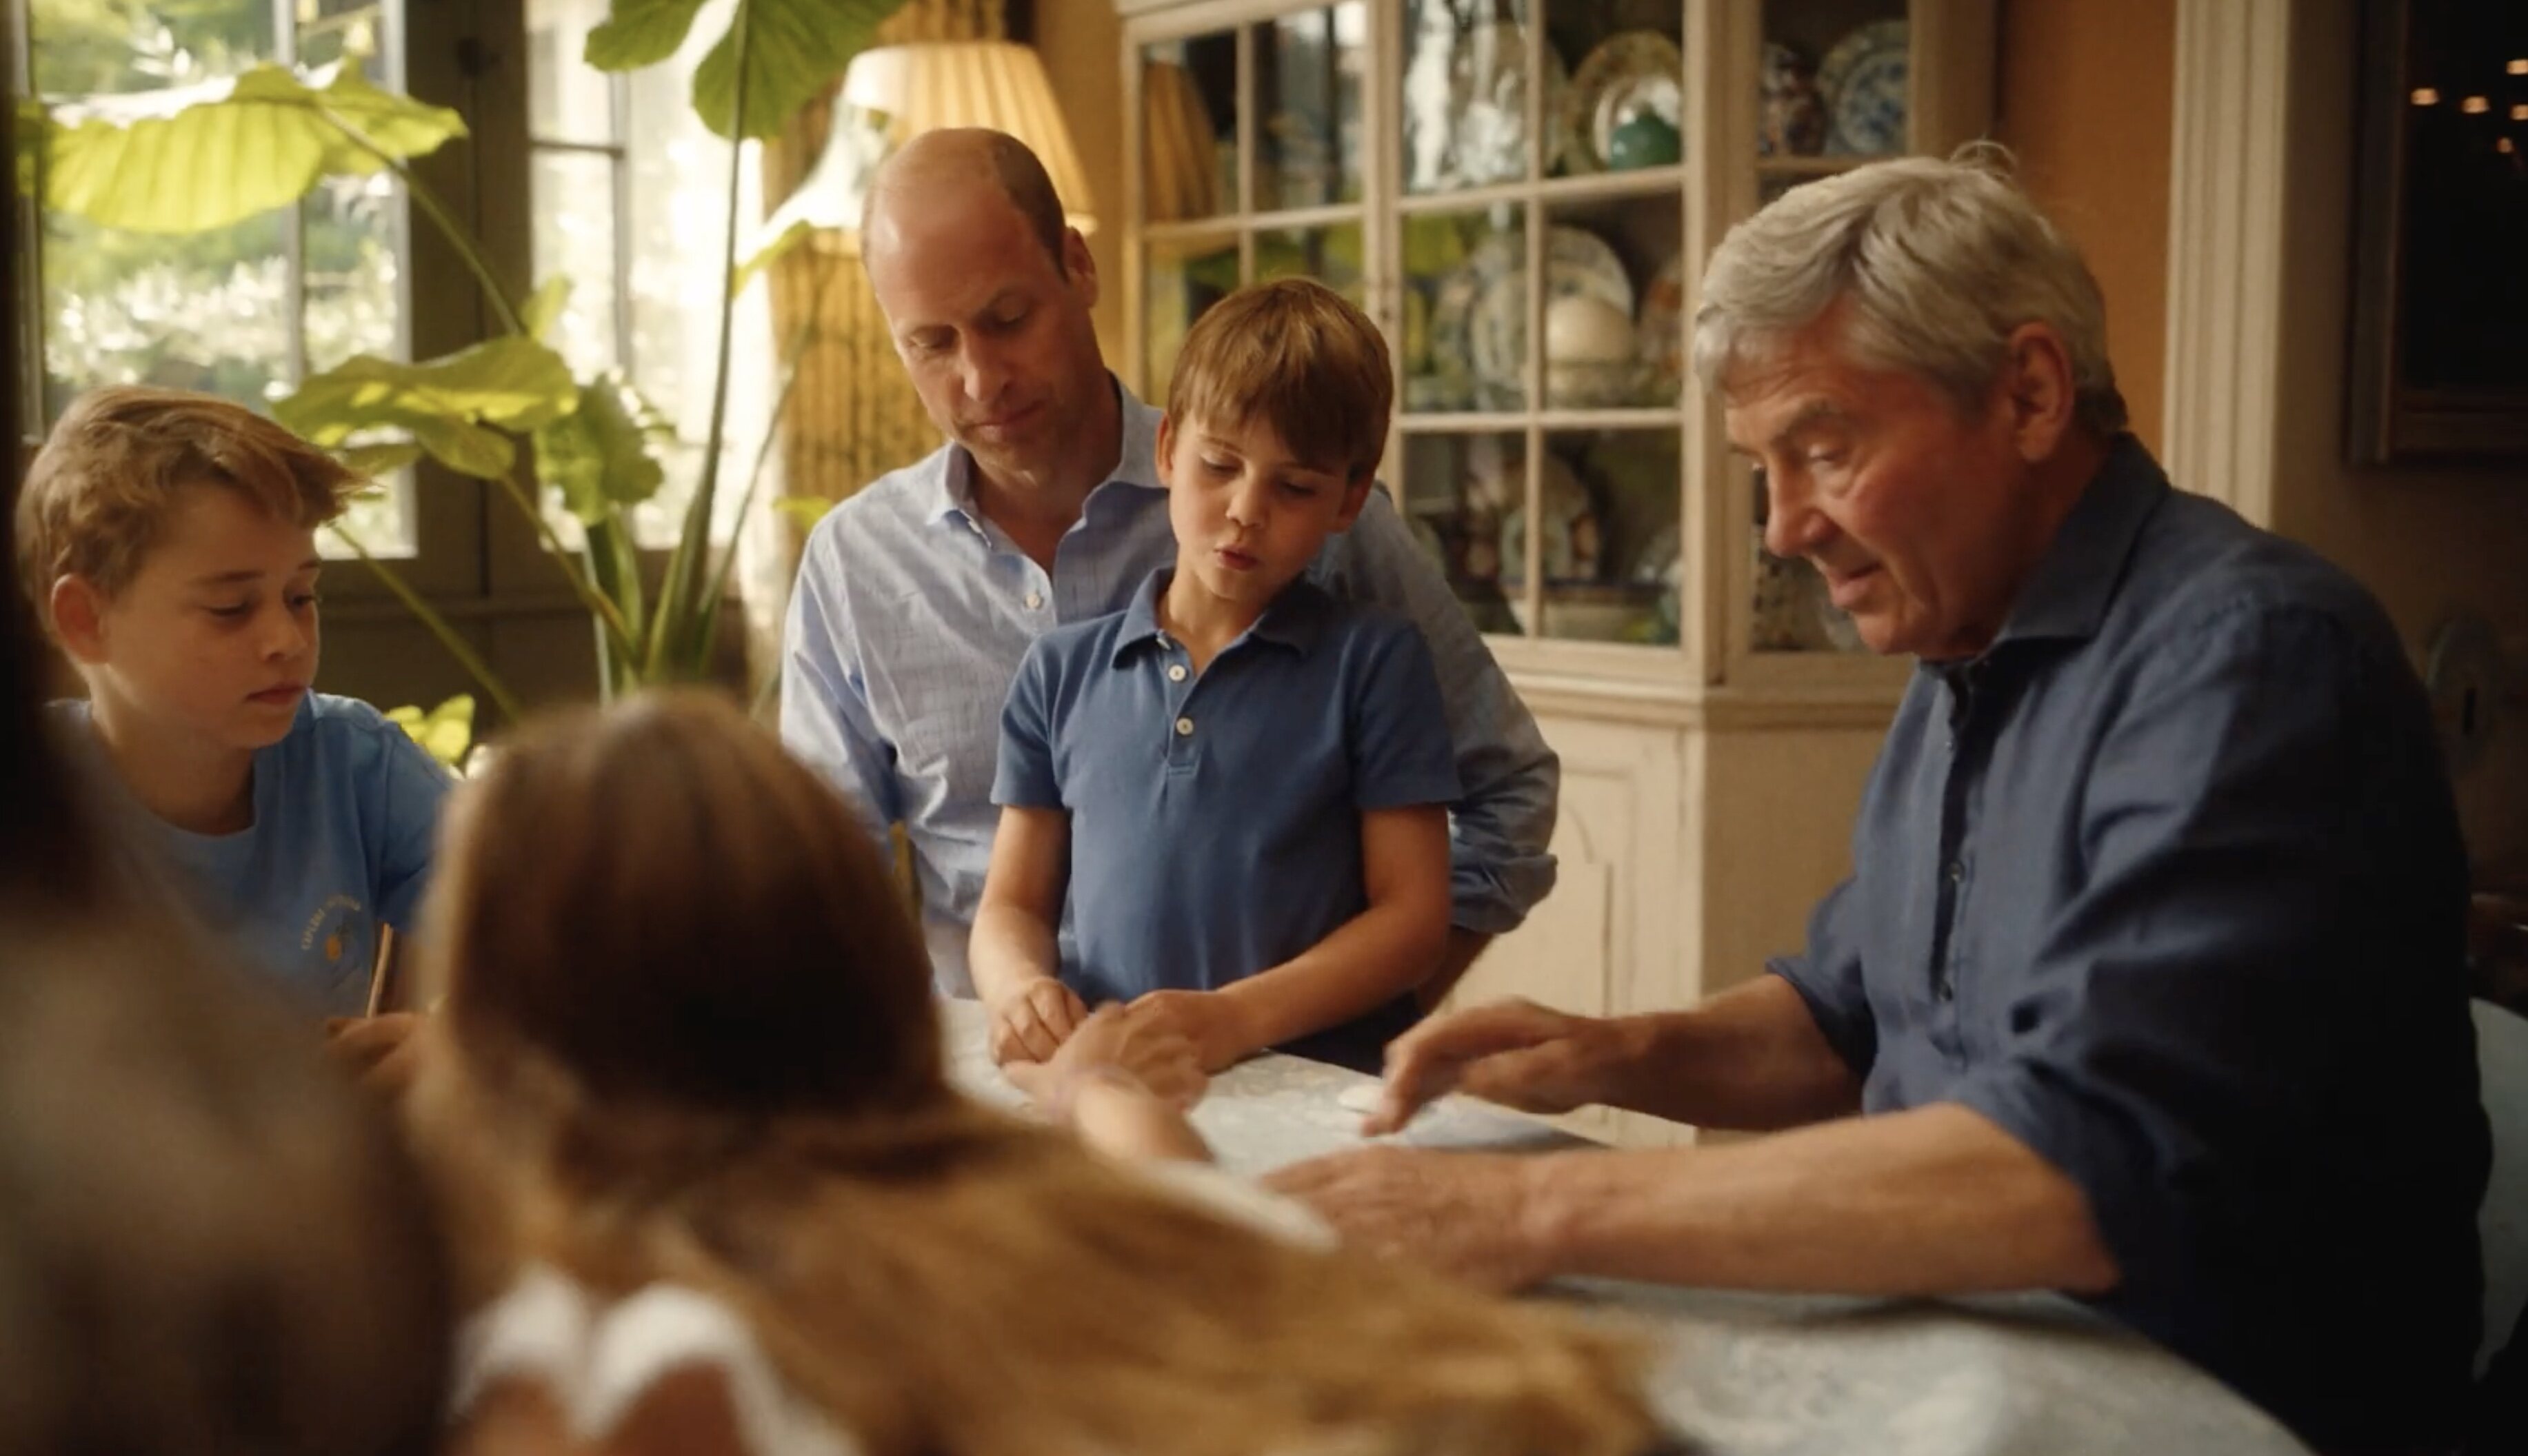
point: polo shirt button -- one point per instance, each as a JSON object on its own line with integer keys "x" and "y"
{"x": 1955, "y": 871}
{"x": 1034, "y": 600}
{"x": 1184, "y": 727}
{"x": 1175, "y": 672}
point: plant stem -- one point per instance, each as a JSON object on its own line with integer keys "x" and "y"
{"x": 440, "y": 217}
{"x": 798, "y": 351}
{"x": 684, "y": 568}
{"x": 598, "y": 602}
{"x": 439, "y": 627}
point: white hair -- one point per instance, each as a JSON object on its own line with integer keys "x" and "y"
{"x": 1941, "y": 260}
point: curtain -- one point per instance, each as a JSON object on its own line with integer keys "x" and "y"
{"x": 852, "y": 415}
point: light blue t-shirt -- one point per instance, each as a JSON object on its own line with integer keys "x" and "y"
{"x": 345, "y": 812}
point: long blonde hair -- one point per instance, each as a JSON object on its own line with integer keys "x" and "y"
{"x": 685, "y": 1004}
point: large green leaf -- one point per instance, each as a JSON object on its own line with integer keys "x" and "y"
{"x": 795, "y": 49}
{"x": 453, "y": 407}
{"x": 641, "y": 32}
{"x": 598, "y": 454}
{"x": 193, "y": 158}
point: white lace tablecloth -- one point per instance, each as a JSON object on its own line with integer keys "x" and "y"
{"x": 1760, "y": 1374}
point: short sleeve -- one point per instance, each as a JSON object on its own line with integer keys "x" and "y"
{"x": 1400, "y": 752}
{"x": 414, "y": 787}
{"x": 1026, "y": 777}
{"x": 1827, "y": 974}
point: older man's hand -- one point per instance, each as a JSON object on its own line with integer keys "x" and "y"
{"x": 1515, "y": 1053}
{"x": 1463, "y": 1213}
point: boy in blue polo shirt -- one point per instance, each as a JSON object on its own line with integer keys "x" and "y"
{"x": 169, "y": 543}
{"x": 1237, "y": 786}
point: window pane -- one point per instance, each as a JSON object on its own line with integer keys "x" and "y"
{"x": 83, "y": 47}
{"x": 214, "y": 311}
{"x": 1461, "y": 492}
{"x": 1309, "y": 71}
{"x": 568, "y": 100}
{"x": 1189, "y": 128}
{"x": 1465, "y": 310}
{"x": 574, "y": 211}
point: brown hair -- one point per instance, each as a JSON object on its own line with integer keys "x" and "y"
{"x": 1297, "y": 356}
{"x": 691, "y": 1021}
{"x": 113, "y": 469}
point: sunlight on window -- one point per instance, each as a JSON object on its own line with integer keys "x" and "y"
{"x": 242, "y": 311}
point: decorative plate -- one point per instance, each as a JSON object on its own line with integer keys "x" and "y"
{"x": 1576, "y": 262}
{"x": 1453, "y": 303}
{"x": 1863, "y": 84}
{"x": 1628, "y": 71}
{"x": 1661, "y": 332}
{"x": 1570, "y": 548}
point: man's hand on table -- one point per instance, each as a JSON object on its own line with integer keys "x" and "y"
{"x": 1032, "y": 1023}
{"x": 1217, "y": 1024}
{"x": 381, "y": 1050}
{"x": 1463, "y": 1213}
{"x": 1515, "y": 1053}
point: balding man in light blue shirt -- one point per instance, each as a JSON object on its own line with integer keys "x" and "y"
{"x": 917, "y": 598}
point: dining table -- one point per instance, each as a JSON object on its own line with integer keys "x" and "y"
{"x": 1739, "y": 1374}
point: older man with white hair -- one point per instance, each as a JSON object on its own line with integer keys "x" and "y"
{"x": 2146, "y": 985}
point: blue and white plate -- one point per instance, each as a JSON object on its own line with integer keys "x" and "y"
{"x": 1864, "y": 81}
{"x": 1576, "y": 262}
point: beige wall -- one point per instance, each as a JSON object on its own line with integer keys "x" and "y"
{"x": 2427, "y": 541}
{"x": 2083, "y": 100}
{"x": 1083, "y": 42}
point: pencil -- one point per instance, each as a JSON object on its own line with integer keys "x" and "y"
{"x": 381, "y": 971}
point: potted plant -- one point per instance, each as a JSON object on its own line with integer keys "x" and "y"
{"x": 589, "y": 443}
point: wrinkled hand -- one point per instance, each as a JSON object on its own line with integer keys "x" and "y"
{"x": 1461, "y": 1214}
{"x": 1515, "y": 1053}
{"x": 1114, "y": 1043}
{"x": 1214, "y": 1024}
{"x": 381, "y": 1050}
{"x": 1032, "y": 1023}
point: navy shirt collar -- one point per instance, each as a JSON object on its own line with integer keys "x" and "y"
{"x": 1296, "y": 619}
{"x": 2066, "y": 598}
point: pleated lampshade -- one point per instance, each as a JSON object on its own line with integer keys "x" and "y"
{"x": 996, "y": 83}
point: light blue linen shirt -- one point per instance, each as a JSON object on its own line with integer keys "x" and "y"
{"x": 913, "y": 611}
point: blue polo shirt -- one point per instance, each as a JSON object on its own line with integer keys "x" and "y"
{"x": 2168, "y": 884}
{"x": 1215, "y": 818}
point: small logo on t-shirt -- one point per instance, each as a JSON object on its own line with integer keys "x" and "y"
{"x": 327, "y": 927}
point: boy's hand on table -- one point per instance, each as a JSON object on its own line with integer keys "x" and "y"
{"x": 1032, "y": 1023}
{"x": 381, "y": 1050}
{"x": 1115, "y": 1043}
{"x": 1217, "y": 1025}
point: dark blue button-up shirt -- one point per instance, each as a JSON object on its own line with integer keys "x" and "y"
{"x": 2168, "y": 884}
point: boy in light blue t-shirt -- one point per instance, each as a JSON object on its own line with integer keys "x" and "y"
{"x": 169, "y": 543}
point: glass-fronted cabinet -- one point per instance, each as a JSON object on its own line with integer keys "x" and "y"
{"x": 1521, "y": 193}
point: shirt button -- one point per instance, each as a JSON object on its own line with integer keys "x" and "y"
{"x": 1034, "y": 600}
{"x": 1184, "y": 727}
{"x": 1947, "y": 988}
{"x": 1175, "y": 672}
{"x": 1955, "y": 871}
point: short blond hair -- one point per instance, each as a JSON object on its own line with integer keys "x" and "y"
{"x": 1941, "y": 260}
{"x": 112, "y": 472}
{"x": 1297, "y": 356}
